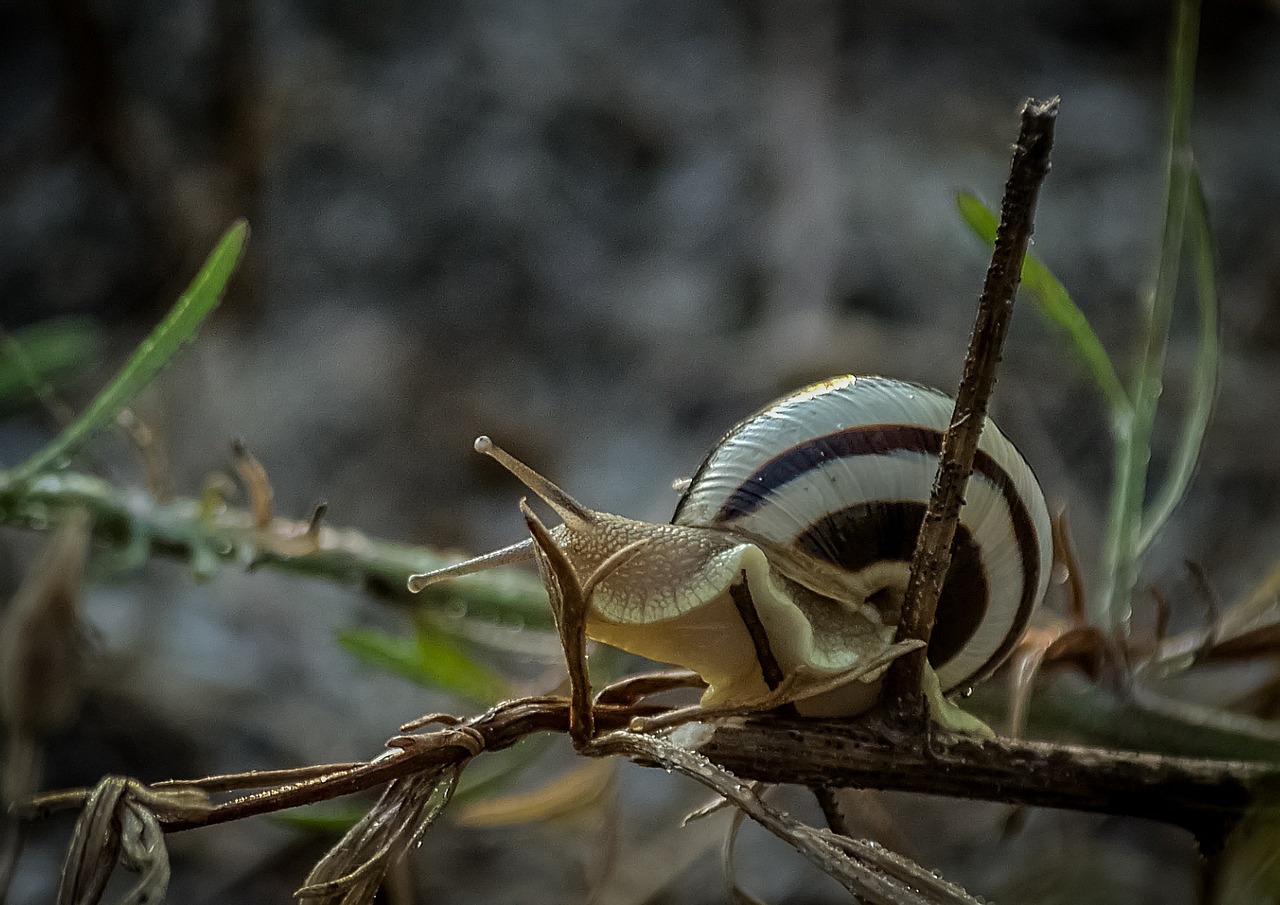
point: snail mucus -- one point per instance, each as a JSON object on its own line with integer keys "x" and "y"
{"x": 807, "y": 512}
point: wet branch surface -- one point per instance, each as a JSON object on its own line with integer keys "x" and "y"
{"x": 1205, "y": 796}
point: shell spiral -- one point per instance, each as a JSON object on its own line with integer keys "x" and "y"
{"x": 838, "y": 474}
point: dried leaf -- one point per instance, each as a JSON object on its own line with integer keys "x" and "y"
{"x": 41, "y": 637}
{"x": 1066, "y": 561}
{"x": 569, "y": 602}
{"x": 143, "y": 851}
{"x": 1084, "y": 647}
{"x": 1260, "y": 604}
{"x": 1024, "y": 666}
{"x": 41, "y": 654}
{"x": 119, "y": 823}
{"x": 256, "y": 483}
{"x": 352, "y": 871}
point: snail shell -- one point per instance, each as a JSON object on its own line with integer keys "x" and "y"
{"x": 839, "y": 473}
{"x": 782, "y": 574}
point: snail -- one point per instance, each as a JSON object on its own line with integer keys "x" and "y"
{"x": 782, "y": 573}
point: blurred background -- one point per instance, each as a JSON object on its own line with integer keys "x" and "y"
{"x": 602, "y": 233}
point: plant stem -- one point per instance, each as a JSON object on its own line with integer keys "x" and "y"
{"x": 1122, "y": 552}
{"x": 1206, "y": 797}
{"x": 207, "y": 535}
{"x": 932, "y": 558}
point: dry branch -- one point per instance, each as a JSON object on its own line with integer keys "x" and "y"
{"x": 1207, "y": 797}
{"x": 960, "y": 442}
{"x": 874, "y": 874}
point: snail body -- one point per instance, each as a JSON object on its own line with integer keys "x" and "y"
{"x": 782, "y": 574}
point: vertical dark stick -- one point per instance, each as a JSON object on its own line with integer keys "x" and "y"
{"x": 932, "y": 558}
{"x": 569, "y": 602}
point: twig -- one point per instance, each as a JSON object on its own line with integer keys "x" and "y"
{"x": 135, "y": 523}
{"x": 569, "y": 601}
{"x": 496, "y": 729}
{"x": 933, "y": 549}
{"x": 871, "y": 872}
{"x": 132, "y": 523}
{"x": 1207, "y": 797}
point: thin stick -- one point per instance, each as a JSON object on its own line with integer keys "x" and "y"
{"x": 874, "y": 874}
{"x": 932, "y": 558}
{"x": 569, "y": 604}
{"x": 1206, "y": 797}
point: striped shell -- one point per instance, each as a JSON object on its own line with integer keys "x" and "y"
{"x": 834, "y": 478}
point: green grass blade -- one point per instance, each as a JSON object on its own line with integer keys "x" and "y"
{"x": 46, "y": 352}
{"x": 1204, "y": 375}
{"x": 1055, "y": 305}
{"x": 325, "y": 818}
{"x": 179, "y": 325}
{"x": 432, "y": 659}
{"x": 1112, "y": 606}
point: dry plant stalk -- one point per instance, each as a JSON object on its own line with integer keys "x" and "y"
{"x": 41, "y": 651}
{"x": 570, "y": 599}
{"x": 41, "y": 661}
{"x": 871, "y": 872}
{"x": 932, "y": 557}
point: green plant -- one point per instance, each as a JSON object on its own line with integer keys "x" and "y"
{"x": 1135, "y": 516}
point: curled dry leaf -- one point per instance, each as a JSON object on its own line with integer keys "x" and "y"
{"x": 119, "y": 824}
{"x": 1247, "y": 629}
{"x": 272, "y": 537}
{"x": 630, "y": 690}
{"x": 570, "y": 598}
{"x": 1263, "y": 641}
{"x": 1052, "y": 645}
{"x": 1209, "y": 598}
{"x": 352, "y": 871}
{"x": 1067, "y": 565}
